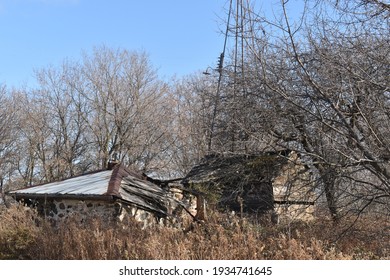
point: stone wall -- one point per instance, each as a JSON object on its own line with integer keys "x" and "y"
{"x": 293, "y": 192}
{"x": 58, "y": 209}
{"x": 188, "y": 200}
{"x": 293, "y": 212}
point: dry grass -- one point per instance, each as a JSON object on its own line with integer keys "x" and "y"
{"x": 23, "y": 235}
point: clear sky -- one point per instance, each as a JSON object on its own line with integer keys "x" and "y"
{"x": 180, "y": 36}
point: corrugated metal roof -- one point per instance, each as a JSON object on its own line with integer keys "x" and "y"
{"x": 118, "y": 183}
{"x": 89, "y": 184}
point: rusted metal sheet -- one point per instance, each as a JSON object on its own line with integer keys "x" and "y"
{"x": 146, "y": 195}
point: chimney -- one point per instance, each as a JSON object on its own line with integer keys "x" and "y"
{"x": 111, "y": 164}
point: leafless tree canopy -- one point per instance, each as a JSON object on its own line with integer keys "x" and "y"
{"x": 109, "y": 106}
{"x": 319, "y": 84}
{"x": 316, "y": 82}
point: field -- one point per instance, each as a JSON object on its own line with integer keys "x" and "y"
{"x": 24, "y": 235}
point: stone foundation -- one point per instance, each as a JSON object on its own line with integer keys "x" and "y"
{"x": 58, "y": 209}
{"x": 290, "y": 213}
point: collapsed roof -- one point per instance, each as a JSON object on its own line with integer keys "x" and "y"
{"x": 239, "y": 182}
{"x": 223, "y": 169}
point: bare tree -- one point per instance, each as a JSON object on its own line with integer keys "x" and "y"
{"x": 322, "y": 86}
{"x": 110, "y": 105}
{"x": 126, "y": 108}
{"x": 7, "y": 145}
{"x": 66, "y": 125}
{"x": 194, "y": 104}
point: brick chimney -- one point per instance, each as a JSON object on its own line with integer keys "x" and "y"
{"x": 111, "y": 164}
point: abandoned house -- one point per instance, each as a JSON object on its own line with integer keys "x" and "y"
{"x": 274, "y": 182}
{"x": 270, "y": 182}
{"x": 114, "y": 193}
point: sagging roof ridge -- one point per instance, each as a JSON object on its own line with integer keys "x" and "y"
{"x": 220, "y": 156}
{"x": 119, "y": 171}
{"x": 217, "y": 162}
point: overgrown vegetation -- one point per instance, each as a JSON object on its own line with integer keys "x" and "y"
{"x": 23, "y": 235}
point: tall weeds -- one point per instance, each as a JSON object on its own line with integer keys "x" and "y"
{"x": 24, "y": 235}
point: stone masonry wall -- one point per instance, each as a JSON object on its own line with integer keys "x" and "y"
{"x": 58, "y": 209}
{"x": 80, "y": 209}
{"x": 294, "y": 185}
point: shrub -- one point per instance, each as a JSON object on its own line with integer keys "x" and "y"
{"x": 23, "y": 235}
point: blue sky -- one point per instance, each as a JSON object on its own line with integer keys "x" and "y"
{"x": 180, "y": 36}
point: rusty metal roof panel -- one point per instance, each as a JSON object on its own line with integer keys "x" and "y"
{"x": 145, "y": 194}
{"x": 89, "y": 184}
